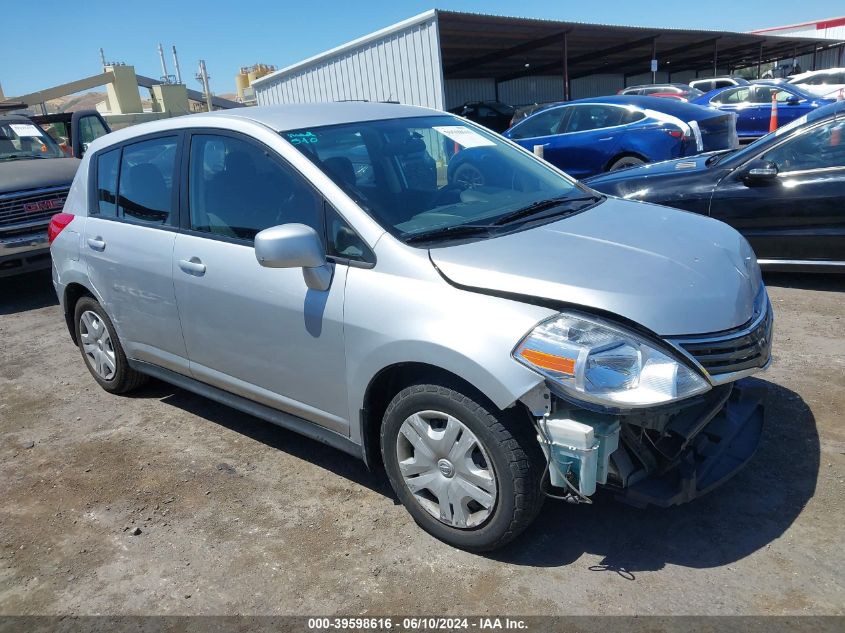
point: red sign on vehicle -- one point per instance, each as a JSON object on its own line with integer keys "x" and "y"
{"x": 44, "y": 205}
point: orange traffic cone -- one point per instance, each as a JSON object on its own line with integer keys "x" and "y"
{"x": 841, "y": 95}
{"x": 773, "y": 121}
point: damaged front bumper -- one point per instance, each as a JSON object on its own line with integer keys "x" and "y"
{"x": 651, "y": 458}
{"x": 725, "y": 444}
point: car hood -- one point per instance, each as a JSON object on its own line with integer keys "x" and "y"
{"x": 670, "y": 271}
{"x": 676, "y": 166}
{"x": 20, "y": 175}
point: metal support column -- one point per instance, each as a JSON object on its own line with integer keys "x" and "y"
{"x": 760, "y": 62}
{"x": 715, "y": 58}
{"x": 566, "y": 94}
{"x": 654, "y": 57}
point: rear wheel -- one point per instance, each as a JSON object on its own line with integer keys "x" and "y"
{"x": 467, "y": 473}
{"x": 626, "y": 161}
{"x": 101, "y": 348}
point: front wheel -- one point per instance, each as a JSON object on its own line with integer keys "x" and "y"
{"x": 467, "y": 473}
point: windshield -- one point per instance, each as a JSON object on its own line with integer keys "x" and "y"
{"x": 24, "y": 140}
{"x": 428, "y": 175}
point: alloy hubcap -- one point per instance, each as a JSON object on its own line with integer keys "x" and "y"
{"x": 446, "y": 468}
{"x": 97, "y": 345}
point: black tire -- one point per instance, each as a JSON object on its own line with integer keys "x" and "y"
{"x": 124, "y": 378}
{"x": 509, "y": 440}
{"x": 623, "y": 162}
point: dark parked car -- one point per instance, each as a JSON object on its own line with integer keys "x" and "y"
{"x": 785, "y": 192}
{"x": 36, "y": 170}
{"x": 494, "y": 115}
{"x": 677, "y": 91}
{"x": 588, "y": 136}
{"x": 753, "y": 105}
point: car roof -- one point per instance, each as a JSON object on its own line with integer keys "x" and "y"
{"x": 657, "y": 85}
{"x": 812, "y": 73}
{"x": 298, "y": 115}
{"x": 668, "y": 106}
{"x": 279, "y": 117}
{"x": 836, "y": 109}
{"x": 14, "y": 118}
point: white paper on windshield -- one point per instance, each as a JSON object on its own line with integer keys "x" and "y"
{"x": 463, "y": 136}
{"x": 25, "y": 129}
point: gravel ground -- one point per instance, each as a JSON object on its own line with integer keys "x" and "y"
{"x": 165, "y": 503}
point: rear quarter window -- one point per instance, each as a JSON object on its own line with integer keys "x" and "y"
{"x": 107, "y": 165}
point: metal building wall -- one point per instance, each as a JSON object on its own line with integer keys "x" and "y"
{"x": 459, "y": 91}
{"x": 397, "y": 64}
{"x": 528, "y": 90}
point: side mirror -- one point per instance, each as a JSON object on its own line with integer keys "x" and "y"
{"x": 793, "y": 100}
{"x": 295, "y": 246}
{"x": 760, "y": 171}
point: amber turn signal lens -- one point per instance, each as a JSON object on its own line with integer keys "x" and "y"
{"x": 549, "y": 361}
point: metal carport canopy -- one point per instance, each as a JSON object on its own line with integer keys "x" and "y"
{"x": 475, "y": 45}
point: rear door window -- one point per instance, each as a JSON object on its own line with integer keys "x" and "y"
{"x": 594, "y": 117}
{"x": 146, "y": 181}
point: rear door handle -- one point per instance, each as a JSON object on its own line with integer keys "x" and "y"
{"x": 193, "y": 266}
{"x": 97, "y": 243}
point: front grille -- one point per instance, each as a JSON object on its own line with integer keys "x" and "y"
{"x": 748, "y": 347}
{"x": 35, "y": 206}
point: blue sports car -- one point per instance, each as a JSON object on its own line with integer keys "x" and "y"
{"x": 753, "y": 105}
{"x": 591, "y": 136}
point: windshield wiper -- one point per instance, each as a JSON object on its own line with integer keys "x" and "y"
{"x": 541, "y": 205}
{"x": 19, "y": 157}
{"x": 455, "y": 230}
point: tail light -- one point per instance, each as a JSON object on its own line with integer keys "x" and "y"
{"x": 675, "y": 132}
{"x": 57, "y": 224}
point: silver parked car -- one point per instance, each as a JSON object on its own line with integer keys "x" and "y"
{"x": 313, "y": 265}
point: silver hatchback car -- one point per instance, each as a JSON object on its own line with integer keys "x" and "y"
{"x": 335, "y": 270}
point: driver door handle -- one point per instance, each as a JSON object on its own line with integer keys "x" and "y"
{"x": 194, "y": 266}
{"x": 97, "y": 243}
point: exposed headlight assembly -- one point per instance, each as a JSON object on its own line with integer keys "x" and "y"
{"x": 598, "y": 363}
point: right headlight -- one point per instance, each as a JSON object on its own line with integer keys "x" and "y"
{"x": 595, "y": 362}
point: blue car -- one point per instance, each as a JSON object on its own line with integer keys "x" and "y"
{"x": 590, "y": 136}
{"x": 753, "y": 105}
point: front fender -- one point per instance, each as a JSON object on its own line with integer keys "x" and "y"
{"x": 391, "y": 320}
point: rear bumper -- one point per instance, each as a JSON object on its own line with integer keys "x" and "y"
{"x": 24, "y": 253}
{"x": 719, "y": 451}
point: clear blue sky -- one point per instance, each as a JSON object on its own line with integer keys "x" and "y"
{"x": 49, "y": 42}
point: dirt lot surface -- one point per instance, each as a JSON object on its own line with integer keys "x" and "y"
{"x": 163, "y": 502}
